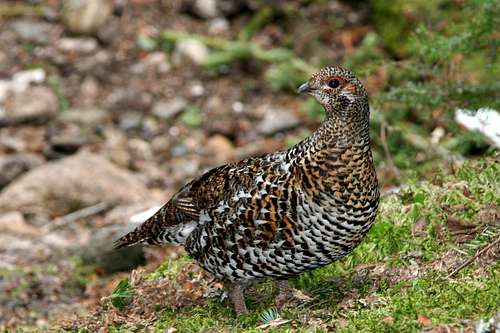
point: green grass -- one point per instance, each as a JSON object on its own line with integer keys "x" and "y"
{"x": 350, "y": 296}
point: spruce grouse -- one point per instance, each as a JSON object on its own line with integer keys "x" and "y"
{"x": 284, "y": 213}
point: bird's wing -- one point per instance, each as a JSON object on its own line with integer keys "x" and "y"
{"x": 178, "y": 217}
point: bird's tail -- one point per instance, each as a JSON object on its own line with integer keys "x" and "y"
{"x": 145, "y": 233}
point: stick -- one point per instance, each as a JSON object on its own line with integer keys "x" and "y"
{"x": 76, "y": 215}
{"x": 383, "y": 139}
{"x": 474, "y": 257}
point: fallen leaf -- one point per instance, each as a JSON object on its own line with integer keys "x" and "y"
{"x": 388, "y": 319}
{"x": 423, "y": 320}
{"x": 466, "y": 192}
{"x": 274, "y": 323}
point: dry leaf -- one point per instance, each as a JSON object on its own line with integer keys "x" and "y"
{"x": 423, "y": 320}
{"x": 274, "y": 323}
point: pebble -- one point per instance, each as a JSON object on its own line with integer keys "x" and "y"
{"x": 86, "y": 16}
{"x": 21, "y": 81}
{"x": 191, "y": 49}
{"x": 77, "y": 45}
{"x": 90, "y": 116}
{"x": 33, "y": 31}
{"x": 206, "y": 9}
{"x": 167, "y": 109}
{"x": 218, "y": 25}
{"x": 36, "y": 105}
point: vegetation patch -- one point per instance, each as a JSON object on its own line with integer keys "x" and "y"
{"x": 397, "y": 280}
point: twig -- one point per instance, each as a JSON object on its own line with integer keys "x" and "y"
{"x": 76, "y": 215}
{"x": 383, "y": 139}
{"x": 474, "y": 257}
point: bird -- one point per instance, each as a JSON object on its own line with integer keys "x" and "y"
{"x": 279, "y": 215}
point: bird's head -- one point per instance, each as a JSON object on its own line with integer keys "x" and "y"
{"x": 338, "y": 90}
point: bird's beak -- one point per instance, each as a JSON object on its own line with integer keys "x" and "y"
{"x": 304, "y": 88}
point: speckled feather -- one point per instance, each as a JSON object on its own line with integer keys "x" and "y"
{"x": 283, "y": 213}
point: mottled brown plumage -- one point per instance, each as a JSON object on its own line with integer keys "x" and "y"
{"x": 284, "y": 213}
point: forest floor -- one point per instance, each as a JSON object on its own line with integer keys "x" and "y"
{"x": 97, "y": 126}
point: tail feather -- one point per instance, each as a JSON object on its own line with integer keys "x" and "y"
{"x": 147, "y": 232}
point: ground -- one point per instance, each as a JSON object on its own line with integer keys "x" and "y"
{"x": 406, "y": 276}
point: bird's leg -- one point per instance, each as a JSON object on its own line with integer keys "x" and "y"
{"x": 285, "y": 292}
{"x": 235, "y": 292}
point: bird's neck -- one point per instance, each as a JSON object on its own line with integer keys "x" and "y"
{"x": 342, "y": 128}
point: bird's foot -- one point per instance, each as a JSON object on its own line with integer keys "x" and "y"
{"x": 235, "y": 293}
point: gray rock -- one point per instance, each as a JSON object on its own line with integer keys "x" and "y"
{"x": 131, "y": 120}
{"x": 277, "y": 120}
{"x": 12, "y": 166}
{"x": 32, "y": 31}
{"x": 86, "y": 16}
{"x": 100, "y": 253}
{"x": 35, "y": 105}
{"x": 72, "y": 183}
{"x": 167, "y": 109}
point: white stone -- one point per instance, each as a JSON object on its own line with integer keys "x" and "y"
{"x": 192, "y": 49}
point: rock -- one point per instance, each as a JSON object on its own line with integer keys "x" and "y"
{"x": 96, "y": 64}
{"x": 167, "y": 109}
{"x": 157, "y": 61}
{"x": 14, "y": 222}
{"x": 36, "y": 105}
{"x": 77, "y": 45}
{"x": 100, "y": 253}
{"x": 11, "y": 166}
{"x": 86, "y": 117}
{"x": 131, "y": 120}
{"x": 191, "y": 49}
{"x": 20, "y": 82}
{"x": 86, "y": 16}
{"x": 220, "y": 149}
{"x": 33, "y": 31}
{"x": 218, "y": 26}
{"x": 277, "y": 120}
{"x": 69, "y": 184}
{"x": 206, "y": 9}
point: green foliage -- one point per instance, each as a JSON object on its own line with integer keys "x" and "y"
{"x": 121, "y": 295}
{"x": 396, "y": 20}
{"x": 269, "y": 315}
{"x": 169, "y": 269}
{"x": 476, "y": 33}
{"x": 192, "y": 116}
{"x": 434, "y": 80}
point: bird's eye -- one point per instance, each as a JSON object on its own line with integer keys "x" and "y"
{"x": 334, "y": 83}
